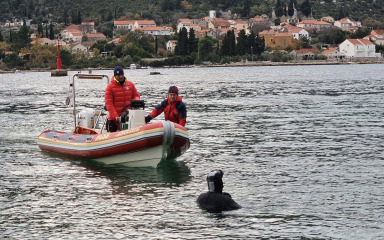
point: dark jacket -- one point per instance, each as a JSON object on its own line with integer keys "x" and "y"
{"x": 173, "y": 111}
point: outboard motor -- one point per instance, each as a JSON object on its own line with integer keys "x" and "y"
{"x": 215, "y": 181}
{"x": 86, "y": 118}
{"x": 133, "y": 117}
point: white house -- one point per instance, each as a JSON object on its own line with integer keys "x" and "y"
{"x": 314, "y": 24}
{"x": 333, "y": 53}
{"x": 346, "y": 24}
{"x": 296, "y": 32}
{"x": 126, "y": 25}
{"x": 72, "y": 33}
{"x": 94, "y": 37}
{"x": 376, "y": 36}
{"x": 155, "y": 31}
{"x": 171, "y": 44}
{"x": 42, "y": 41}
{"x": 379, "y": 40}
{"x": 83, "y": 48}
{"x": 184, "y": 22}
{"x": 144, "y": 23}
{"x": 357, "y": 48}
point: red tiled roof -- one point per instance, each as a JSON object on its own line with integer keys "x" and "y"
{"x": 360, "y": 41}
{"x": 146, "y": 22}
{"x": 307, "y": 50}
{"x": 379, "y": 32}
{"x": 330, "y": 50}
{"x": 151, "y": 29}
{"x": 95, "y": 35}
{"x": 123, "y": 22}
{"x": 185, "y": 20}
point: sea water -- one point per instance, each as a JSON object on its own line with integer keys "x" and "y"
{"x": 301, "y": 148}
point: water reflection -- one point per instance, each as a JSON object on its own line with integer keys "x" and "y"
{"x": 123, "y": 179}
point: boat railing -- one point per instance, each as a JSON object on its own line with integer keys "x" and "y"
{"x": 99, "y": 113}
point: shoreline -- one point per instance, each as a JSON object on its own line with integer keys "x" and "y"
{"x": 237, "y": 64}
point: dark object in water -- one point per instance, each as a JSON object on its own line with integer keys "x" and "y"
{"x": 215, "y": 200}
{"x": 154, "y": 73}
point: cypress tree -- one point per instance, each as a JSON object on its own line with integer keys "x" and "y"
{"x": 46, "y": 31}
{"x": 279, "y": 9}
{"x": 246, "y": 7}
{"x": 290, "y": 8}
{"x": 242, "y": 46}
{"x": 228, "y": 46}
{"x": 193, "y": 42}
{"x": 51, "y": 33}
{"x": 40, "y": 30}
{"x": 260, "y": 45}
{"x": 1, "y": 37}
{"x": 251, "y": 44}
{"x": 232, "y": 43}
{"x": 79, "y": 20}
{"x": 306, "y": 8}
{"x": 182, "y": 43}
{"x": 65, "y": 17}
{"x": 156, "y": 45}
{"x": 73, "y": 18}
{"x": 225, "y": 46}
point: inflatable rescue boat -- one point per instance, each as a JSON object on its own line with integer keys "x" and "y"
{"x": 136, "y": 145}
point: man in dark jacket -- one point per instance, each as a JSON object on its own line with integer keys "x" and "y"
{"x": 173, "y": 107}
{"x": 118, "y": 93}
{"x": 215, "y": 200}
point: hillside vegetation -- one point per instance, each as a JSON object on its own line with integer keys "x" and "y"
{"x": 168, "y": 11}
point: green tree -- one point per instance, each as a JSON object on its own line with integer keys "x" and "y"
{"x": 246, "y": 8}
{"x": 306, "y": 8}
{"x": 13, "y": 60}
{"x": 51, "y": 33}
{"x": 242, "y": 43}
{"x": 67, "y": 57}
{"x": 228, "y": 46}
{"x": 291, "y": 6}
{"x": 22, "y": 38}
{"x": 331, "y": 36}
{"x": 1, "y": 36}
{"x": 193, "y": 42}
{"x": 65, "y": 17}
{"x": 205, "y": 48}
{"x": 79, "y": 20}
{"x": 256, "y": 44}
{"x": 360, "y": 33}
{"x": 251, "y": 43}
{"x": 110, "y": 16}
{"x": 40, "y": 30}
{"x": 168, "y": 5}
{"x": 182, "y": 43}
{"x": 341, "y": 13}
{"x": 279, "y": 9}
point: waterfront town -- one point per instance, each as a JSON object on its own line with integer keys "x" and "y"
{"x": 284, "y": 37}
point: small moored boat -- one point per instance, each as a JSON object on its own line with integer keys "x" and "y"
{"x": 136, "y": 145}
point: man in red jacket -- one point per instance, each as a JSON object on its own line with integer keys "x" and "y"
{"x": 118, "y": 93}
{"x": 173, "y": 107}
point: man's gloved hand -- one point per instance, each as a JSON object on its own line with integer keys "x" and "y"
{"x": 148, "y": 118}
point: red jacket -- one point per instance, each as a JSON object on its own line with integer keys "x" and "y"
{"x": 117, "y": 96}
{"x": 173, "y": 111}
